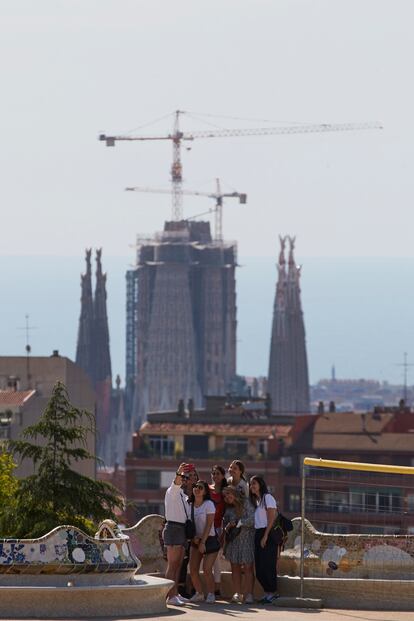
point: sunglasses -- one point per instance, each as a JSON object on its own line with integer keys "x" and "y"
{"x": 199, "y": 487}
{"x": 184, "y": 476}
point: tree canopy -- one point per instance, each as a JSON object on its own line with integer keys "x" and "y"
{"x": 8, "y": 486}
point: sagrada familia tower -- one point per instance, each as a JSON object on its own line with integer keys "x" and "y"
{"x": 93, "y": 356}
{"x": 181, "y": 318}
{"x": 288, "y": 381}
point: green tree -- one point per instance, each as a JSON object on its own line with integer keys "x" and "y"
{"x": 56, "y": 494}
{"x": 8, "y": 488}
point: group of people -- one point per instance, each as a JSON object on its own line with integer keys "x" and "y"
{"x": 229, "y": 514}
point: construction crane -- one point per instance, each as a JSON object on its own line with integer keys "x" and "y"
{"x": 178, "y": 136}
{"x": 218, "y": 196}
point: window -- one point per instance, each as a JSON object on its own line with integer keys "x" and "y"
{"x": 261, "y": 447}
{"x": 196, "y": 446}
{"x": 357, "y": 501}
{"x": 143, "y": 509}
{"x": 236, "y": 446}
{"x": 410, "y": 503}
{"x": 383, "y": 500}
{"x": 292, "y": 500}
{"x": 161, "y": 445}
{"x": 335, "y": 529}
{"x": 147, "y": 479}
{"x": 4, "y": 432}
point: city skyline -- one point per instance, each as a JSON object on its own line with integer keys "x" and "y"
{"x": 352, "y": 319}
{"x": 75, "y": 70}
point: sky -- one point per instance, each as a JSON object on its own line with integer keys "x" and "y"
{"x": 75, "y": 68}
{"x": 72, "y": 69}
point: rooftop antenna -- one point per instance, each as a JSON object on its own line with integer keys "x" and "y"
{"x": 28, "y": 349}
{"x": 405, "y": 365}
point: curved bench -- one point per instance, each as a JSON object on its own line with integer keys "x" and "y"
{"x": 67, "y": 573}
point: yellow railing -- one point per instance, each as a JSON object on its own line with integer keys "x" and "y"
{"x": 355, "y": 465}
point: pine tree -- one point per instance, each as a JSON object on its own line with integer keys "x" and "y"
{"x": 56, "y": 494}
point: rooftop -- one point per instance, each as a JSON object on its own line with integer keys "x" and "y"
{"x": 220, "y": 429}
{"x": 15, "y": 397}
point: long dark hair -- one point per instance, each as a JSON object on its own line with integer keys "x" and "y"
{"x": 223, "y": 472}
{"x": 262, "y": 489}
{"x": 206, "y": 491}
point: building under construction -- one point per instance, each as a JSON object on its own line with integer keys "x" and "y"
{"x": 181, "y": 318}
{"x": 288, "y": 382}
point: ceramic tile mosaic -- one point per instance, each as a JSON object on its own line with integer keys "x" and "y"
{"x": 66, "y": 549}
{"x": 145, "y": 542}
{"x": 348, "y": 556}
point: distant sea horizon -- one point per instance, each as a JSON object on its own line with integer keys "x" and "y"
{"x": 359, "y": 312}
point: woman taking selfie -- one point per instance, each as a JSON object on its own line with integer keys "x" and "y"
{"x": 177, "y": 511}
{"x": 265, "y": 548}
{"x": 205, "y": 544}
{"x": 239, "y": 531}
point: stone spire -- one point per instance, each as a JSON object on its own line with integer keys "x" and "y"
{"x": 102, "y": 353}
{"x": 85, "y": 357}
{"x": 288, "y": 368}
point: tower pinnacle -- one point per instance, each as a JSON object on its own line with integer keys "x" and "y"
{"x": 85, "y": 344}
{"x": 288, "y": 368}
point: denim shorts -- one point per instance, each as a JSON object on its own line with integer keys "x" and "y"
{"x": 174, "y": 534}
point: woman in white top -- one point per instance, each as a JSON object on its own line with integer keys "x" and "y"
{"x": 204, "y": 510}
{"x": 265, "y": 548}
{"x": 177, "y": 511}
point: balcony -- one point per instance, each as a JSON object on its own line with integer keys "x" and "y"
{"x": 220, "y": 454}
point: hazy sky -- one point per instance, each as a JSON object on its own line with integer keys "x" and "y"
{"x": 72, "y": 69}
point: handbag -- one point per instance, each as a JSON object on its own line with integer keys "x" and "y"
{"x": 212, "y": 544}
{"x": 189, "y": 525}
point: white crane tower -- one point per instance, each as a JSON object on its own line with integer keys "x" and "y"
{"x": 177, "y": 136}
{"x": 218, "y": 196}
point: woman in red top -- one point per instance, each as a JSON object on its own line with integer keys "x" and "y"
{"x": 216, "y": 494}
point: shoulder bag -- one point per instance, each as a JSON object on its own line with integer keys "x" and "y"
{"x": 189, "y": 525}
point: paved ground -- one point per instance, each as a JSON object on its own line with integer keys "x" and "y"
{"x": 221, "y": 610}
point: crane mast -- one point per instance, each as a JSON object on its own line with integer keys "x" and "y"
{"x": 177, "y": 136}
{"x": 177, "y": 171}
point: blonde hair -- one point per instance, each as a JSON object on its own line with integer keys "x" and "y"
{"x": 238, "y": 499}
